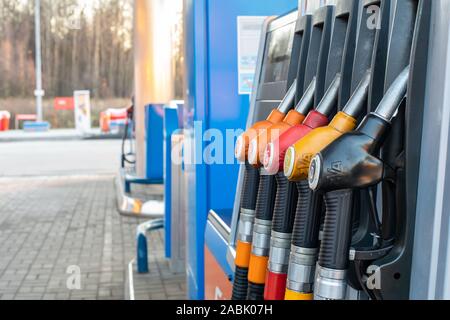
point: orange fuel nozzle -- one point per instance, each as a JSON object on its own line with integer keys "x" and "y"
{"x": 257, "y": 147}
{"x": 276, "y": 116}
{"x": 243, "y": 141}
{"x": 258, "y": 144}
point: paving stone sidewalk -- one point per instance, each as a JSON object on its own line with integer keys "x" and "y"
{"x": 50, "y": 226}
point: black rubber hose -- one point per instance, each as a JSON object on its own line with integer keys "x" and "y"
{"x": 307, "y": 218}
{"x": 285, "y": 205}
{"x": 337, "y": 233}
{"x": 250, "y": 188}
{"x": 240, "y": 284}
{"x": 124, "y": 139}
{"x": 266, "y": 197}
{"x": 255, "y": 292}
{"x": 389, "y": 211}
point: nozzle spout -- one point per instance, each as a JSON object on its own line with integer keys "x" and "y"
{"x": 306, "y": 102}
{"x": 287, "y": 103}
{"x": 391, "y": 101}
{"x": 357, "y": 101}
{"x": 330, "y": 98}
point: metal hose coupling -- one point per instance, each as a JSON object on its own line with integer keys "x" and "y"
{"x": 330, "y": 284}
{"x": 261, "y": 237}
{"x": 301, "y": 274}
{"x": 245, "y": 226}
{"x": 243, "y": 252}
{"x": 280, "y": 244}
{"x": 260, "y": 251}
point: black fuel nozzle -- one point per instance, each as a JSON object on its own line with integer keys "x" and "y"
{"x": 349, "y": 163}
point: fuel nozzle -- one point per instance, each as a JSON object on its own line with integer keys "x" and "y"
{"x": 266, "y": 204}
{"x": 305, "y": 239}
{"x": 351, "y": 162}
{"x": 276, "y": 116}
{"x": 275, "y": 151}
{"x": 347, "y": 164}
{"x": 294, "y": 117}
{"x": 289, "y": 198}
{"x": 249, "y": 196}
{"x": 298, "y": 157}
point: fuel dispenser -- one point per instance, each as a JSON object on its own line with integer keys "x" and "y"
{"x": 339, "y": 61}
{"x": 332, "y": 164}
{"x": 342, "y": 40}
{"x": 315, "y": 31}
{"x": 308, "y": 217}
{"x": 316, "y": 73}
{"x": 372, "y": 155}
{"x": 333, "y": 160}
{"x": 214, "y": 104}
{"x": 321, "y": 185}
{"x": 339, "y": 226}
{"x": 271, "y": 79}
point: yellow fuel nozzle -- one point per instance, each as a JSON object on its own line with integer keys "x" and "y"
{"x": 298, "y": 157}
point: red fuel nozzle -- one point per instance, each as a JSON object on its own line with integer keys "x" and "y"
{"x": 276, "y": 151}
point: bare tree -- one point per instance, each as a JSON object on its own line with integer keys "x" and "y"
{"x": 97, "y": 56}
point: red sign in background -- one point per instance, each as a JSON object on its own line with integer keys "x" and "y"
{"x": 63, "y": 103}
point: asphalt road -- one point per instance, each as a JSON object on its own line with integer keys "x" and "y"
{"x": 59, "y": 158}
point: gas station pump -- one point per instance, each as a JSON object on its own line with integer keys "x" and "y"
{"x": 305, "y": 239}
{"x": 212, "y": 101}
{"x": 317, "y": 58}
{"x": 325, "y": 200}
{"x": 373, "y": 154}
{"x": 252, "y": 177}
{"x": 331, "y": 168}
{"x": 258, "y": 252}
{"x": 339, "y": 225}
{"x": 340, "y": 61}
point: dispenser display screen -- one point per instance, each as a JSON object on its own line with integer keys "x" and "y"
{"x": 278, "y": 54}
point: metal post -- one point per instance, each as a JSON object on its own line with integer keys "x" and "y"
{"x": 39, "y": 93}
{"x": 430, "y": 275}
